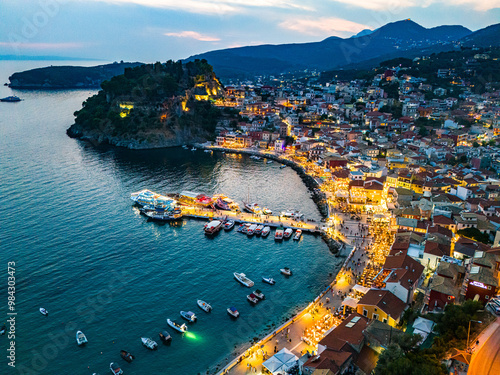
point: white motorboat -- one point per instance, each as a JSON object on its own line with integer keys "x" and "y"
{"x": 258, "y": 230}
{"x": 193, "y": 149}
{"x": 228, "y": 224}
{"x": 267, "y": 211}
{"x": 298, "y": 233}
{"x": 252, "y": 298}
{"x": 268, "y": 280}
{"x": 43, "y": 311}
{"x": 81, "y": 339}
{"x": 253, "y": 208}
{"x": 243, "y": 279}
{"x": 178, "y": 327}
{"x": 189, "y": 316}
{"x": 265, "y": 231}
{"x": 269, "y": 162}
{"x": 282, "y": 166}
{"x": 258, "y": 293}
{"x": 149, "y": 343}
{"x": 278, "y": 235}
{"x": 251, "y": 229}
{"x": 115, "y": 369}
{"x": 288, "y": 233}
{"x": 233, "y": 312}
{"x": 286, "y": 271}
{"x": 204, "y": 306}
{"x": 213, "y": 227}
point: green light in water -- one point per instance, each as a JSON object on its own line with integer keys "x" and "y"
{"x": 191, "y": 335}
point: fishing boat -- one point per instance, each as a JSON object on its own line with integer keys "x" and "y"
{"x": 251, "y": 229}
{"x": 233, "y": 312}
{"x": 11, "y": 99}
{"x": 298, "y": 233}
{"x": 288, "y": 233}
{"x": 43, "y": 311}
{"x": 213, "y": 227}
{"x": 258, "y": 230}
{"x": 3, "y": 330}
{"x": 243, "y": 279}
{"x": 252, "y": 298}
{"x": 188, "y": 315}
{"x": 265, "y": 231}
{"x": 81, "y": 339}
{"x": 268, "y": 280}
{"x": 165, "y": 337}
{"x": 126, "y": 356}
{"x": 115, "y": 369}
{"x": 286, "y": 271}
{"x": 228, "y": 224}
{"x": 149, "y": 343}
{"x": 204, "y": 306}
{"x": 278, "y": 235}
{"x": 258, "y": 293}
{"x": 178, "y": 327}
{"x": 267, "y": 211}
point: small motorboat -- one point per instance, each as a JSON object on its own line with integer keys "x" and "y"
{"x": 178, "y": 327}
{"x": 193, "y": 149}
{"x": 252, "y": 298}
{"x": 298, "y": 233}
{"x": 251, "y": 229}
{"x": 267, "y": 211}
{"x": 286, "y": 271}
{"x": 282, "y": 166}
{"x": 3, "y": 330}
{"x": 126, "y": 356}
{"x": 228, "y": 224}
{"x": 265, "y": 231}
{"x": 81, "y": 339}
{"x": 149, "y": 343}
{"x": 243, "y": 228}
{"x": 204, "y": 306}
{"x": 165, "y": 337}
{"x": 258, "y": 230}
{"x": 43, "y": 311}
{"x": 11, "y": 99}
{"x": 288, "y": 233}
{"x": 188, "y": 315}
{"x": 115, "y": 369}
{"x": 268, "y": 280}
{"x": 258, "y": 293}
{"x": 269, "y": 162}
{"x": 233, "y": 312}
{"x": 243, "y": 279}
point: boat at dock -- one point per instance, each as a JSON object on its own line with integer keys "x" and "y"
{"x": 282, "y": 166}
{"x": 11, "y": 99}
{"x": 189, "y": 316}
{"x": 224, "y": 203}
{"x": 258, "y": 293}
{"x": 269, "y": 162}
{"x": 127, "y": 357}
{"x": 243, "y": 279}
{"x": 268, "y": 280}
{"x": 178, "y": 327}
{"x": 286, "y": 271}
{"x": 267, "y": 211}
{"x": 278, "y": 235}
{"x": 204, "y": 306}
{"x": 298, "y": 233}
{"x": 149, "y": 343}
{"x": 233, "y": 312}
{"x": 115, "y": 369}
{"x": 163, "y": 215}
{"x": 258, "y": 230}
{"x": 252, "y": 298}
{"x": 81, "y": 339}
{"x": 253, "y": 208}
{"x": 150, "y": 198}
{"x": 251, "y": 229}
{"x": 165, "y": 337}
{"x": 288, "y": 233}
{"x": 228, "y": 224}
{"x": 213, "y": 227}
{"x": 265, "y": 231}
{"x": 195, "y": 199}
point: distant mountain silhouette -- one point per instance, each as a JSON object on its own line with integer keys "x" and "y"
{"x": 405, "y": 38}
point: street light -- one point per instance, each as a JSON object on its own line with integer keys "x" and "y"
{"x": 468, "y": 332}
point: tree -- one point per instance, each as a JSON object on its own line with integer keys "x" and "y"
{"x": 475, "y": 144}
{"x": 422, "y": 131}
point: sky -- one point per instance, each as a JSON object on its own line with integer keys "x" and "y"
{"x": 159, "y": 30}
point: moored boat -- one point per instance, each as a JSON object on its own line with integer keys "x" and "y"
{"x": 224, "y": 203}
{"x": 252, "y": 298}
{"x": 228, "y": 224}
{"x": 258, "y": 293}
{"x": 278, "y": 235}
{"x": 298, "y": 233}
{"x": 149, "y": 343}
{"x": 243, "y": 228}
{"x": 178, "y": 327}
{"x": 81, "y": 339}
{"x": 115, "y": 369}
{"x": 233, "y": 312}
{"x": 165, "y": 337}
{"x": 44, "y": 311}
{"x": 282, "y": 166}
{"x": 267, "y": 211}
{"x": 286, "y": 271}
{"x": 269, "y": 162}
{"x": 163, "y": 215}
{"x": 253, "y": 208}
{"x": 243, "y": 279}
{"x": 204, "y": 306}
{"x": 189, "y": 316}
{"x": 213, "y": 227}
{"x": 268, "y": 280}
{"x": 265, "y": 231}
{"x": 11, "y": 99}
{"x": 258, "y": 230}
{"x": 288, "y": 233}
{"x": 251, "y": 229}
{"x": 126, "y": 356}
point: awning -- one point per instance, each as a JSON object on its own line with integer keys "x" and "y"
{"x": 351, "y": 302}
{"x": 361, "y": 288}
{"x": 281, "y": 361}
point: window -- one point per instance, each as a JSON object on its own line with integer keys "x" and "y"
{"x": 365, "y": 312}
{"x": 487, "y": 297}
{"x": 375, "y": 316}
{"x": 384, "y": 320}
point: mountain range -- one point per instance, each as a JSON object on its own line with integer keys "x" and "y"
{"x": 402, "y": 38}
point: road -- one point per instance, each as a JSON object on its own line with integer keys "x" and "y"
{"x": 487, "y": 360}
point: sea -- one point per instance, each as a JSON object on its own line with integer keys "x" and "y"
{"x": 81, "y": 250}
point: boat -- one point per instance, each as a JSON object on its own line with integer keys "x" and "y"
{"x": 165, "y": 337}
{"x": 286, "y": 213}
{"x": 204, "y": 306}
{"x": 269, "y": 162}
{"x": 251, "y": 229}
{"x": 233, "y": 312}
{"x": 81, "y": 339}
{"x": 193, "y": 149}
{"x": 185, "y": 147}
{"x": 242, "y": 278}
{"x": 149, "y": 343}
{"x": 127, "y": 357}
{"x": 213, "y": 227}
{"x": 3, "y": 330}
{"x": 258, "y": 293}
{"x": 258, "y": 230}
{"x": 191, "y": 198}
{"x": 298, "y": 233}
{"x": 253, "y": 208}
{"x": 189, "y": 316}
{"x": 178, "y": 327}
{"x": 278, "y": 235}
{"x": 163, "y": 215}
{"x": 268, "y": 280}
{"x": 224, "y": 203}
{"x": 243, "y": 228}
{"x": 43, "y": 311}
{"x": 150, "y": 198}
{"x": 288, "y": 233}
{"x": 115, "y": 369}
{"x": 252, "y": 298}
{"x": 207, "y": 150}
{"x": 286, "y": 271}
{"x": 228, "y": 224}
{"x": 282, "y": 166}
{"x": 265, "y": 231}
{"x": 267, "y": 211}
{"x": 11, "y": 99}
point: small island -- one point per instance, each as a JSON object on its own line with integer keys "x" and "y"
{"x": 152, "y": 106}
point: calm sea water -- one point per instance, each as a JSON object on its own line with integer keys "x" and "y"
{"x": 85, "y": 254}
